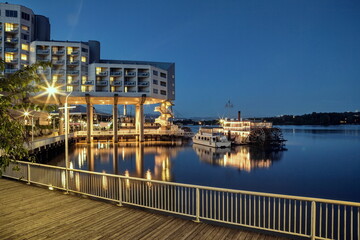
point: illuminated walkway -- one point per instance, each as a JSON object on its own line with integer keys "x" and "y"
{"x": 28, "y": 212}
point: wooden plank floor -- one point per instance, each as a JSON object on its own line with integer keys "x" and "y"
{"x": 30, "y": 212}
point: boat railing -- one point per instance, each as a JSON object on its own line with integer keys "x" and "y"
{"x": 312, "y": 218}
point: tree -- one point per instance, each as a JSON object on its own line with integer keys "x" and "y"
{"x": 15, "y": 89}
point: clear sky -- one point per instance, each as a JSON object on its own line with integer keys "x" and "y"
{"x": 268, "y": 57}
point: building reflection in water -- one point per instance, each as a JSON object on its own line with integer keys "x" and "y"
{"x": 244, "y": 158}
{"x": 155, "y": 160}
{"x": 127, "y": 158}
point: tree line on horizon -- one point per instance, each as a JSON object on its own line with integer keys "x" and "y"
{"x": 314, "y": 118}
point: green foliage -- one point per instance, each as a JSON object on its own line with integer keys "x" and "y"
{"x": 14, "y": 89}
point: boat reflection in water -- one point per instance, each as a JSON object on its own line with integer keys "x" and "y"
{"x": 244, "y": 158}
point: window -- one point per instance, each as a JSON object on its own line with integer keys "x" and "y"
{"x": 25, "y": 28}
{"x": 155, "y": 82}
{"x": 69, "y": 79}
{"x": 25, "y": 16}
{"x": 155, "y": 73}
{"x": 55, "y": 78}
{"x": 162, "y": 92}
{"x": 24, "y": 36}
{"x": 83, "y": 59}
{"x": 84, "y": 50}
{"x": 155, "y": 91}
{"x": 98, "y": 70}
{"x": 24, "y": 57}
{"x": 84, "y": 79}
{"x": 25, "y": 47}
{"x": 11, "y": 13}
{"x": 163, "y": 75}
{"x": 69, "y": 50}
{"x": 9, "y": 57}
{"x": 69, "y": 88}
{"x": 10, "y": 27}
{"x": 163, "y": 83}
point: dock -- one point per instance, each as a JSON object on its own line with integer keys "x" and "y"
{"x": 31, "y": 212}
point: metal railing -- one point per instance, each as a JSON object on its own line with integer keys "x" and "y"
{"x": 298, "y": 216}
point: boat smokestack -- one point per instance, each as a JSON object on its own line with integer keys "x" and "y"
{"x": 239, "y": 115}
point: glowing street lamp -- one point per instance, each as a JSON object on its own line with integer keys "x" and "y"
{"x": 27, "y": 114}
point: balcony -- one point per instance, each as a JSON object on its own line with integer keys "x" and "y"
{"x": 102, "y": 83}
{"x": 143, "y": 74}
{"x": 11, "y": 70}
{"x": 143, "y": 84}
{"x": 12, "y": 61}
{"x": 74, "y": 82}
{"x": 11, "y": 40}
{"x": 129, "y": 83}
{"x": 43, "y": 51}
{"x": 59, "y": 52}
{"x": 11, "y": 49}
{"x": 60, "y": 81}
{"x": 74, "y": 53}
{"x": 130, "y": 74}
{"x": 116, "y": 73}
{"x": 58, "y": 72}
{"x": 58, "y": 62}
{"x": 102, "y": 73}
{"x": 91, "y": 82}
{"x": 41, "y": 71}
{"x": 73, "y": 62}
{"x": 75, "y": 72}
{"x": 12, "y": 30}
{"x": 116, "y": 83}
{"x": 43, "y": 60}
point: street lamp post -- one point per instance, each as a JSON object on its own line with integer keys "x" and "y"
{"x": 27, "y": 114}
{"x": 67, "y": 140}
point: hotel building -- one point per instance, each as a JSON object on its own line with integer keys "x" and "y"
{"x": 77, "y": 69}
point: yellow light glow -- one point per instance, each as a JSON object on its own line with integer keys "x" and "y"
{"x": 26, "y": 28}
{"x": 24, "y": 57}
{"x": 26, "y": 114}
{"x": 51, "y": 90}
{"x": 25, "y": 47}
{"x": 83, "y": 59}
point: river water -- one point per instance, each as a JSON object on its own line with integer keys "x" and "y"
{"x": 316, "y": 162}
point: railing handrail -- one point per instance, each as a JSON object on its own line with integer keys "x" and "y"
{"x": 263, "y": 194}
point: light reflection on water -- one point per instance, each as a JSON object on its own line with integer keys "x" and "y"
{"x": 319, "y": 162}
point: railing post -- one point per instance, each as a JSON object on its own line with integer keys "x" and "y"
{"x": 313, "y": 220}
{"x": 120, "y": 193}
{"x": 67, "y": 181}
{"x": 197, "y": 205}
{"x": 28, "y": 174}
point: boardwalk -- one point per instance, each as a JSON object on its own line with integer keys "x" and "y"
{"x": 29, "y": 212}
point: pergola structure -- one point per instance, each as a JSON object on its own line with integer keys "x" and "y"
{"x": 98, "y": 98}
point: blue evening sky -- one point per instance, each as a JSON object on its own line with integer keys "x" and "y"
{"x": 268, "y": 57}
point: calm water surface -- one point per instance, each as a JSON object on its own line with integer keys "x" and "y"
{"x": 318, "y": 162}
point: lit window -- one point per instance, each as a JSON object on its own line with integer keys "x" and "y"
{"x": 54, "y": 78}
{"x": 69, "y": 50}
{"x": 111, "y": 79}
{"x": 24, "y": 57}
{"x": 69, "y": 79}
{"x": 69, "y": 88}
{"x": 9, "y": 27}
{"x": 25, "y": 28}
{"x": 98, "y": 70}
{"x": 25, "y": 47}
{"x": 83, "y": 59}
{"x": 126, "y": 89}
{"x": 9, "y": 57}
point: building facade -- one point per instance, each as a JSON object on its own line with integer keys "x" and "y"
{"x": 77, "y": 66}
{"x": 77, "y": 69}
